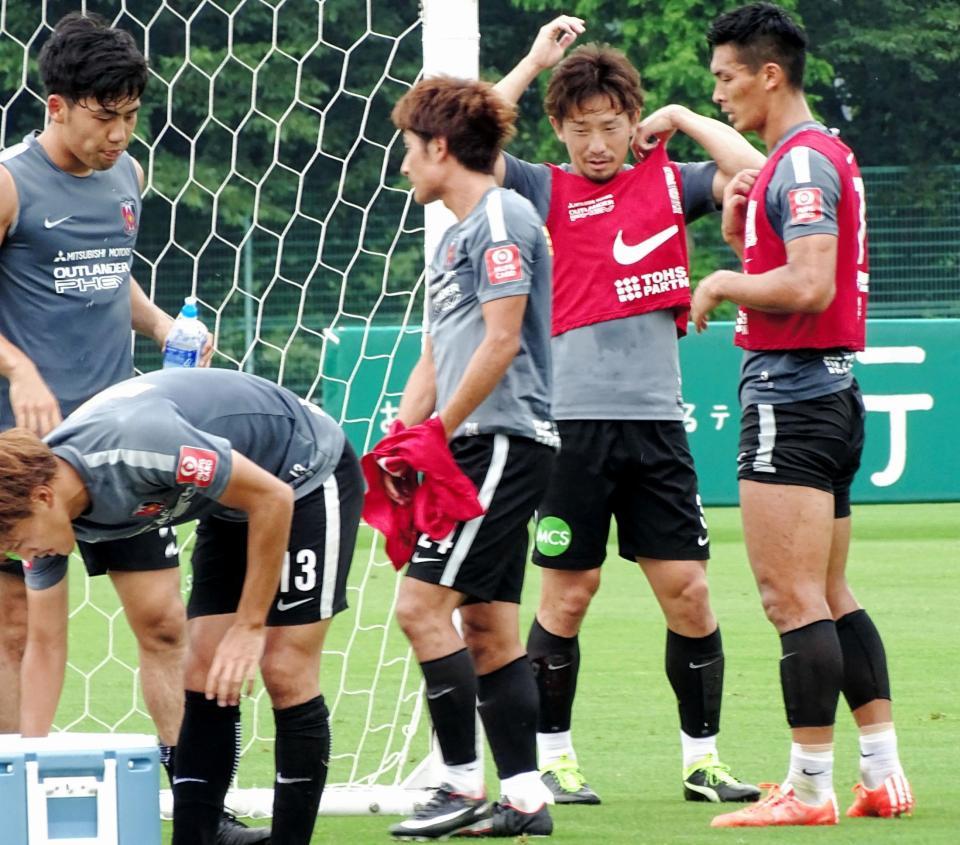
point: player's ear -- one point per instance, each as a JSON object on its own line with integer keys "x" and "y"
{"x": 773, "y": 76}
{"x": 57, "y": 108}
{"x": 557, "y": 128}
{"x": 42, "y": 494}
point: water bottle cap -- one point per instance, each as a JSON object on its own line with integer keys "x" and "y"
{"x": 189, "y": 307}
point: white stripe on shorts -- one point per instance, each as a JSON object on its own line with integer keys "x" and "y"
{"x": 763, "y": 460}
{"x": 331, "y": 546}
{"x": 498, "y": 460}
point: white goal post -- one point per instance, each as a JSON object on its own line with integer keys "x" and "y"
{"x": 273, "y": 195}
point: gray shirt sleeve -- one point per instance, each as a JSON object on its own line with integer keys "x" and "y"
{"x": 532, "y": 181}
{"x": 803, "y": 200}
{"x": 45, "y": 572}
{"x": 696, "y": 180}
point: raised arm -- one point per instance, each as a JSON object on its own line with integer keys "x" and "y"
{"x": 722, "y": 143}
{"x": 547, "y": 49}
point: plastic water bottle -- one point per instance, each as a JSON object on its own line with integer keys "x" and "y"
{"x": 186, "y": 339}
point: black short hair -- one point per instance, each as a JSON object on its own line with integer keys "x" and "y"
{"x": 763, "y": 32}
{"x": 87, "y": 58}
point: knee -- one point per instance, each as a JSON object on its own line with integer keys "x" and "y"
{"x": 162, "y": 630}
{"x": 565, "y": 606}
{"x": 290, "y": 676}
{"x": 688, "y": 607}
{"x": 481, "y": 641}
{"x": 415, "y": 620}
{"x": 791, "y": 606}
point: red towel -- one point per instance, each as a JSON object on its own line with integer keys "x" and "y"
{"x": 444, "y": 496}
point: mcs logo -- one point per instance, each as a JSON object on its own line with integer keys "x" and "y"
{"x": 553, "y": 536}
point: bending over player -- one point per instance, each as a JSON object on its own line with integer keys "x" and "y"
{"x": 277, "y": 491}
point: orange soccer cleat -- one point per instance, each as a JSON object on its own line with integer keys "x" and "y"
{"x": 779, "y": 807}
{"x": 892, "y": 798}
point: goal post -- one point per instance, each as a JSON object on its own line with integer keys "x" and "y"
{"x": 273, "y": 195}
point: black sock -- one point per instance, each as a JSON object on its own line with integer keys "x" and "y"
{"x": 811, "y": 672}
{"x": 452, "y": 700}
{"x": 695, "y": 670}
{"x": 508, "y": 709}
{"x": 206, "y": 756}
{"x": 302, "y": 755}
{"x": 865, "y": 676}
{"x": 556, "y": 664}
{"x": 168, "y": 756}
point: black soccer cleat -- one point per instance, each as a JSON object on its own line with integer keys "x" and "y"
{"x": 232, "y": 831}
{"x": 710, "y": 780}
{"x": 445, "y": 813}
{"x": 506, "y": 821}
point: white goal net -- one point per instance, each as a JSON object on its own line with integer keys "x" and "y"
{"x": 273, "y": 195}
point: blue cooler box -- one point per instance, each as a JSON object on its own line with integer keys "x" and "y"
{"x": 80, "y": 789}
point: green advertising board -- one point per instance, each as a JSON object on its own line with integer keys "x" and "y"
{"x": 909, "y": 375}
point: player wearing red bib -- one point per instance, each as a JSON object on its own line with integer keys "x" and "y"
{"x": 800, "y": 226}
{"x": 620, "y": 298}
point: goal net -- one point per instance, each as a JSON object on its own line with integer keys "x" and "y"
{"x": 273, "y": 195}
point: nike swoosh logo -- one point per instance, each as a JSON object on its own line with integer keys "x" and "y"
{"x": 867, "y": 755}
{"x": 702, "y": 541}
{"x": 282, "y": 779}
{"x": 559, "y": 666}
{"x": 632, "y": 253}
{"x": 49, "y": 224}
{"x": 812, "y": 774}
{"x": 416, "y": 824}
{"x": 704, "y": 665}
{"x": 419, "y": 559}
{"x": 287, "y": 605}
{"x": 188, "y": 780}
{"x": 433, "y": 696}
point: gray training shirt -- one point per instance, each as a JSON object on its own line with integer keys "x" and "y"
{"x": 771, "y": 377}
{"x": 156, "y": 450}
{"x": 626, "y": 369}
{"x": 499, "y": 249}
{"x": 65, "y": 274}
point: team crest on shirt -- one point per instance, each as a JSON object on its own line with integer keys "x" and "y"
{"x": 128, "y": 211}
{"x": 503, "y": 264}
{"x": 806, "y": 205}
{"x": 451, "y": 254}
{"x": 149, "y": 509}
{"x": 196, "y": 466}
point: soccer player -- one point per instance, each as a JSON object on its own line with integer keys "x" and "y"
{"x": 277, "y": 491}
{"x": 800, "y": 227}
{"x": 69, "y": 215}
{"x": 485, "y": 370}
{"x": 620, "y": 299}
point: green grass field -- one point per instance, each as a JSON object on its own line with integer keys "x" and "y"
{"x": 903, "y": 567}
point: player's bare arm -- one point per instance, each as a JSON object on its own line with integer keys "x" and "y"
{"x": 503, "y": 319}
{"x": 722, "y": 143}
{"x": 419, "y": 398}
{"x": 44, "y": 659}
{"x": 734, "y": 216}
{"x": 34, "y": 405}
{"x": 548, "y": 47}
{"x": 268, "y": 503}
{"x": 806, "y": 284}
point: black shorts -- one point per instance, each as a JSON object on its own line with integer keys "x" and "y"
{"x": 485, "y": 557}
{"x": 145, "y": 552}
{"x": 638, "y": 471}
{"x": 814, "y": 443}
{"x": 313, "y": 585}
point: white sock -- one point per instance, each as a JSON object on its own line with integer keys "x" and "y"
{"x": 551, "y": 747}
{"x": 695, "y": 748}
{"x": 465, "y": 778}
{"x": 525, "y": 791}
{"x": 878, "y": 757}
{"x": 811, "y": 774}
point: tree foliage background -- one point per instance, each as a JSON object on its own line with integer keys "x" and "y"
{"x": 272, "y": 164}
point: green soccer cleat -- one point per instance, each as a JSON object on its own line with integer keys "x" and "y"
{"x": 565, "y": 780}
{"x": 710, "y": 780}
